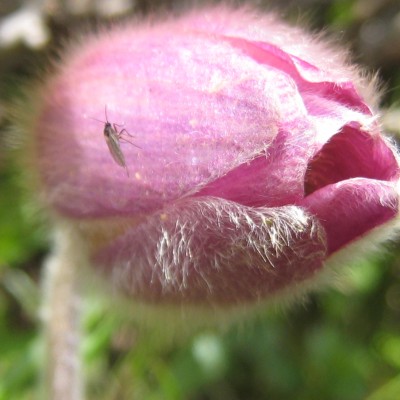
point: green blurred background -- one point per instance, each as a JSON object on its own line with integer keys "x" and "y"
{"x": 342, "y": 344}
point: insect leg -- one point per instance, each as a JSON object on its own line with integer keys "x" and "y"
{"x": 120, "y": 137}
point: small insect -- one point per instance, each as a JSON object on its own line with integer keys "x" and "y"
{"x": 113, "y": 137}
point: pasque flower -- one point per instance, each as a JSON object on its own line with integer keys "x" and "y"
{"x": 260, "y": 156}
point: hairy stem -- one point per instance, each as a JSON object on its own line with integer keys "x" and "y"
{"x": 61, "y": 315}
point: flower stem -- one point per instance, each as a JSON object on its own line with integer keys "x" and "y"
{"x": 61, "y": 315}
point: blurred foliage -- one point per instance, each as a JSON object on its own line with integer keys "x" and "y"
{"x": 340, "y": 345}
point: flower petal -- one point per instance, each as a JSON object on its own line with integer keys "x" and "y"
{"x": 212, "y": 250}
{"x": 208, "y": 112}
{"x": 352, "y": 153}
{"x": 351, "y": 208}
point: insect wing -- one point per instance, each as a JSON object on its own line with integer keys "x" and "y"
{"x": 115, "y": 150}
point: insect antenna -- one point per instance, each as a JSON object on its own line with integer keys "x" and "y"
{"x": 98, "y": 120}
{"x": 105, "y": 113}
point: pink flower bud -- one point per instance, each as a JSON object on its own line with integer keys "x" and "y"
{"x": 259, "y": 157}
